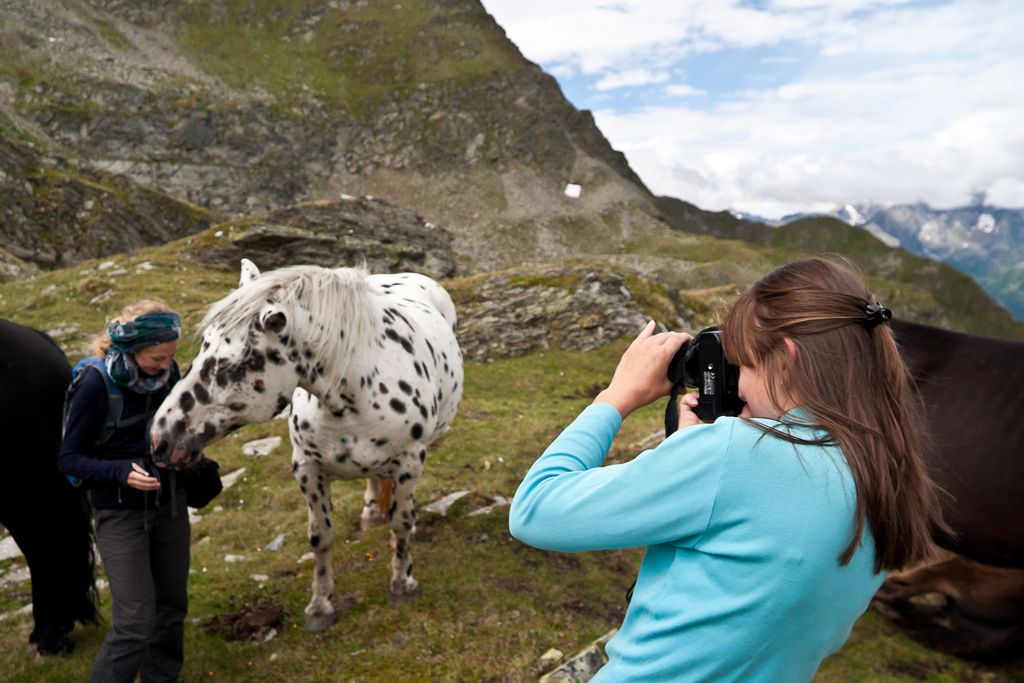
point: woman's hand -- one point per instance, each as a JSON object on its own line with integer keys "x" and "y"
{"x": 642, "y": 375}
{"x": 139, "y": 479}
{"x": 688, "y": 418}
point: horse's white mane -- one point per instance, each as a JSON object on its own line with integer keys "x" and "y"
{"x": 336, "y": 300}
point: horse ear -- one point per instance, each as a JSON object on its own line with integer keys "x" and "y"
{"x": 274, "y": 321}
{"x": 249, "y": 272}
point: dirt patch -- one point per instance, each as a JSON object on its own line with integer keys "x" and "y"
{"x": 254, "y": 620}
{"x": 609, "y": 610}
{"x": 510, "y": 585}
{"x": 343, "y": 603}
{"x": 428, "y": 525}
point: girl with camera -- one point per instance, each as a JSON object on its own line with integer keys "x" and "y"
{"x": 767, "y": 534}
{"x": 142, "y": 527}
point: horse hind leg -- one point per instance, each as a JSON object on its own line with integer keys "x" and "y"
{"x": 371, "y": 515}
{"x": 402, "y": 518}
{"x": 319, "y": 612}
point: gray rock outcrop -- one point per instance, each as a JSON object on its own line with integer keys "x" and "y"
{"x": 573, "y": 307}
{"x": 386, "y": 237}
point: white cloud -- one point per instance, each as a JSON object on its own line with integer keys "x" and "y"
{"x": 894, "y": 101}
{"x": 683, "y": 90}
{"x": 631, "y": 77}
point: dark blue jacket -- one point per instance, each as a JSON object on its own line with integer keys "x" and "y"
{"x": 105, "y": 468}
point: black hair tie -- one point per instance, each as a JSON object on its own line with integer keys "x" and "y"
{"x": 877, "y": 314}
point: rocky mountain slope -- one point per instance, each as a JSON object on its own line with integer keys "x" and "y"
{"x": 56, "y": 211}
{"x": 173, "y": 115}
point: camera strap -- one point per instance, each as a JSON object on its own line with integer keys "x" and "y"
{"x": 672, "y": 409}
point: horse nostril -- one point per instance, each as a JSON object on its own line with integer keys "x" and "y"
{"x": 161, "y": 449}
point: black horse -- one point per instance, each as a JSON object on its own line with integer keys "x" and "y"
{"x": 47, "y": 516}
{"x": 972, "y": 391}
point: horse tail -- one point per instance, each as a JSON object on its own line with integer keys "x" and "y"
{"x": 387, "y": 489}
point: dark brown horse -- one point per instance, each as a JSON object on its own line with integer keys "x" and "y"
{"x": 973, "y": 390}
{"x": 48, "y": 517}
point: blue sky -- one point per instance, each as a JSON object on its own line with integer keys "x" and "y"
{"x": 781, "y": 106}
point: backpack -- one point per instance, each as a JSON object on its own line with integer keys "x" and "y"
{"x": 115, "y": 402}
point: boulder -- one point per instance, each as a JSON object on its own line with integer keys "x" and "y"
{"x": 387, "y": 238}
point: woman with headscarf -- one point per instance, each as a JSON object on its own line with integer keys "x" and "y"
{"x": 142, "y": 527}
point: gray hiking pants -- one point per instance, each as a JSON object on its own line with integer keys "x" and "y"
{"x": 148, "y": 576}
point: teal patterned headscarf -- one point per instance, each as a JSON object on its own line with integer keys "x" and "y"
{"x": 149, "y": 329}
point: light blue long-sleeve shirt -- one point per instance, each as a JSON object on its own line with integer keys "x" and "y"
{"x": 741, "y": 579}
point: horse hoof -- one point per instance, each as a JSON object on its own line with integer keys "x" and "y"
{"x": 319, "y": 622}
{"x": 55, "y": 646}
{"x": 395, "y": 599}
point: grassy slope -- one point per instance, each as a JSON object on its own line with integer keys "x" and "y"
{"x": 399, "y": 47}
{"x": 487, "y": 606}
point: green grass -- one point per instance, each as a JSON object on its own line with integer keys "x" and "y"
{"x": 487, "y": 605}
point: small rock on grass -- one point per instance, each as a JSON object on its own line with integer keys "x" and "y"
{"x": 581, "y": 667}
{"x": 306, "y": 557}
{"x": 261, "y": 447}
{"x": 9, "y": 549}
{"x": 499, "y": 501}
{"x": 236, "y": 558}
{"x": 441, "y": 506}
{"x": 276, "y": 545}
{"x": 546, "y": 662}
{"x": 229, "y": 480}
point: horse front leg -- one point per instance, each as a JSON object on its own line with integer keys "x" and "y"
{"x": 317, "y": 490}
{"x": 371, "y": 516}
{"x": 402, "y": 518}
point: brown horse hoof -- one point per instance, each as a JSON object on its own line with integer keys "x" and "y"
{"x": 396, "y": 599}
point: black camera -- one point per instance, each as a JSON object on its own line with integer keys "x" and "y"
{"x": 701, "y": 363}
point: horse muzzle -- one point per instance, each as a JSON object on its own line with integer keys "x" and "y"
{"x": 177, "y": 453}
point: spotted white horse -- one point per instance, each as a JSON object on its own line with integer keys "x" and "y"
{"x": 373, "y": 371}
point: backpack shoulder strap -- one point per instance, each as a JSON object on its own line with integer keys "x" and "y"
{"x": 115, "y": 399}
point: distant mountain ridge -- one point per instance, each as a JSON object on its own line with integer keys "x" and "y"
{"x": 987, "y": 242}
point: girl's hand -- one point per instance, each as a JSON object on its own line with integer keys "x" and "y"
{"x": 642, "y": 375}
{"x": 687, "y": 418}
{"x": 139, "y": 479}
